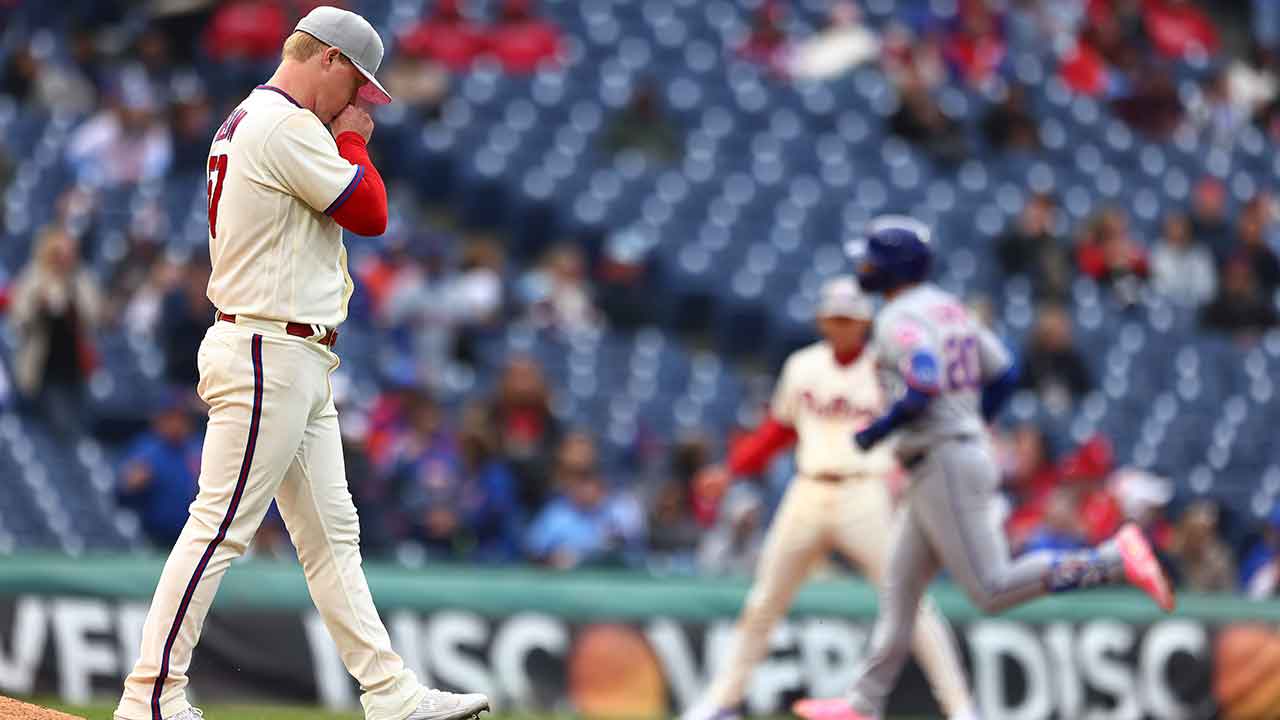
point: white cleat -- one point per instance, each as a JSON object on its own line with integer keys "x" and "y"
{"x": 441, "y": 705}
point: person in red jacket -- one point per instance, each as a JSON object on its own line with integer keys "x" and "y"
{"x": 1107, "y": 252}
{"x": 1178, "y": 28}
{"x": 521, "y": 41}
{"x": 247, "y": 30}
{"x": 839, "y": 499}
{"x": 445, "y": 37}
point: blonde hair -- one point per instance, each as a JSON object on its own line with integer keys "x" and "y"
{"x": 302, "y": 46}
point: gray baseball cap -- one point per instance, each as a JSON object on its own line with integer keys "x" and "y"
{"x": 357, "y": 40}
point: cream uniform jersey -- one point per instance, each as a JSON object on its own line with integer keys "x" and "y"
{"x": 275, "y": 178}
{"x": 827, "y": 403}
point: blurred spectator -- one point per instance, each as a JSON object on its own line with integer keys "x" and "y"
{"x": 1203, "y": 560}
{"x": 558, "y": 294}
{"x": 1107, "y": 253}
{"x": 643, "y": 127}
{"x": 841, "y": 45}
{"x": 153, "y": 51}
{"x": 37, "y": 80}
{"x": 1052, "y": 366}
{"x": 1009, "y": 125}
{"x": 673, "y": 533}
{"x": 187, "y": 315}
{"x": 247, "y": 30}
{"x": 460, "y": 496}
{"x": 911, "y": 60}
{"x": 54, "y": 308}
{"x": 1251, "y": 80}
{"x": 1084, "y": 70}
{"x": 142, "y": 290}
{"x": 1150, "y": 103}
{"x": 1105, "y": 55}
{"x": 1252, "y": 248}
{"x": 1030, "y": 478}
{"x": 975, "y": 47}
{"x": 1032, "y": 248}
{"x": 766, "y": 43}
{"x": 445, "y": 36}
{"x": 420, "y": 85}
{"x": 160, "y": 471}
{"x": 1212, "y": 110}
{"x": 522, "y": 41}
{"x": 1090, "y": 469}
{"x": 626, "y": 296}
{"x": 191, "y": 116}
{"x": 475, "y": 297}
{"x": 1181, "y": 269}
{"x": 370, "y": 489}
{"x": 1209, "y": 223}
{"x": 673, "y": 530}
{"x": 528, "y": 432}
{"x": 413, "y": 301}
{"x": 1179, "y": 29}
{"x": 1239, "y": 308}
{"x": 586, "y": 524}
{"x": 920, "y": 120}
{"x": 1260, "y": 571}
{"x": 733, "y": 546}
{"x": 1060, "y": 527}
{"x": 127, "y": 142}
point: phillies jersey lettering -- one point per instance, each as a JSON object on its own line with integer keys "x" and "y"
{"x": 836, "y": 408}
{"x": 827, "y": 403}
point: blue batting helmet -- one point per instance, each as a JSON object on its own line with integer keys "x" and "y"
{"x": 896, "y": 251}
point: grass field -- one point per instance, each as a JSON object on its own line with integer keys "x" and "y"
{"x": 254, "y": 712}
{"x": 275, "y": 712}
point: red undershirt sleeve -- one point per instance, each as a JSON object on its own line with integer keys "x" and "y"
{"x": 362, "y": 207}
{"x": 751, "y": 454}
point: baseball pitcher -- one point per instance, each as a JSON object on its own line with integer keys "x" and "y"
{"x": 288, "y": 170}
{"x": 948, "y": 375}
{"x": 838, "y": 500}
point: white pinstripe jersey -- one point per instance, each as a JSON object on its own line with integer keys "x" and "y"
{"x": 274, "y": 179}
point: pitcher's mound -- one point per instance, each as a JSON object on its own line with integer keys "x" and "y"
{"x": 11, "y": 709}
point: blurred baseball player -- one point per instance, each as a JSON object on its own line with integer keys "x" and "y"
{"x": 838, "y": 499}
{"x": 948, "y": 375}
{"x": 288, "y": 170}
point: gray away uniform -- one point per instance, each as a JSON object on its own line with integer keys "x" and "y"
{"x": 950, "y": 516}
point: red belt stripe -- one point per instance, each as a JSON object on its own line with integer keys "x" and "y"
{"x": 254, "y": 421}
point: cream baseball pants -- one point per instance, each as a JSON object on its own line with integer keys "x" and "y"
{"x": 272, "y": 434}
{"x": 817, "y": 516}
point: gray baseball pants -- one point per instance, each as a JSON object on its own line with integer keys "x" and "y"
{"x": 951, "y": 519}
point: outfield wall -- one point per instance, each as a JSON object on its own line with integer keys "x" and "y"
{"x": 623, "y": 644}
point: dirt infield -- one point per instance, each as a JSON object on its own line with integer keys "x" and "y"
{"x": 11, "y": 709}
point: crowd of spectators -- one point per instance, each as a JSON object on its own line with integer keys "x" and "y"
{"x": 503, "y": 477}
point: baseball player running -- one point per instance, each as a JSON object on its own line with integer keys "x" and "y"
{"x": 948, "y": 375}
{"x": 288, "y": 170}
{"x": 838, "y": 500}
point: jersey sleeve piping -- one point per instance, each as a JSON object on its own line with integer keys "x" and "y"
{"x": 346, "y": 193}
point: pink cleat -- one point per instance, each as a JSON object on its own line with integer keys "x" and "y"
{"x": 827, "y": 709}
{"x": 1141, "y": 568}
